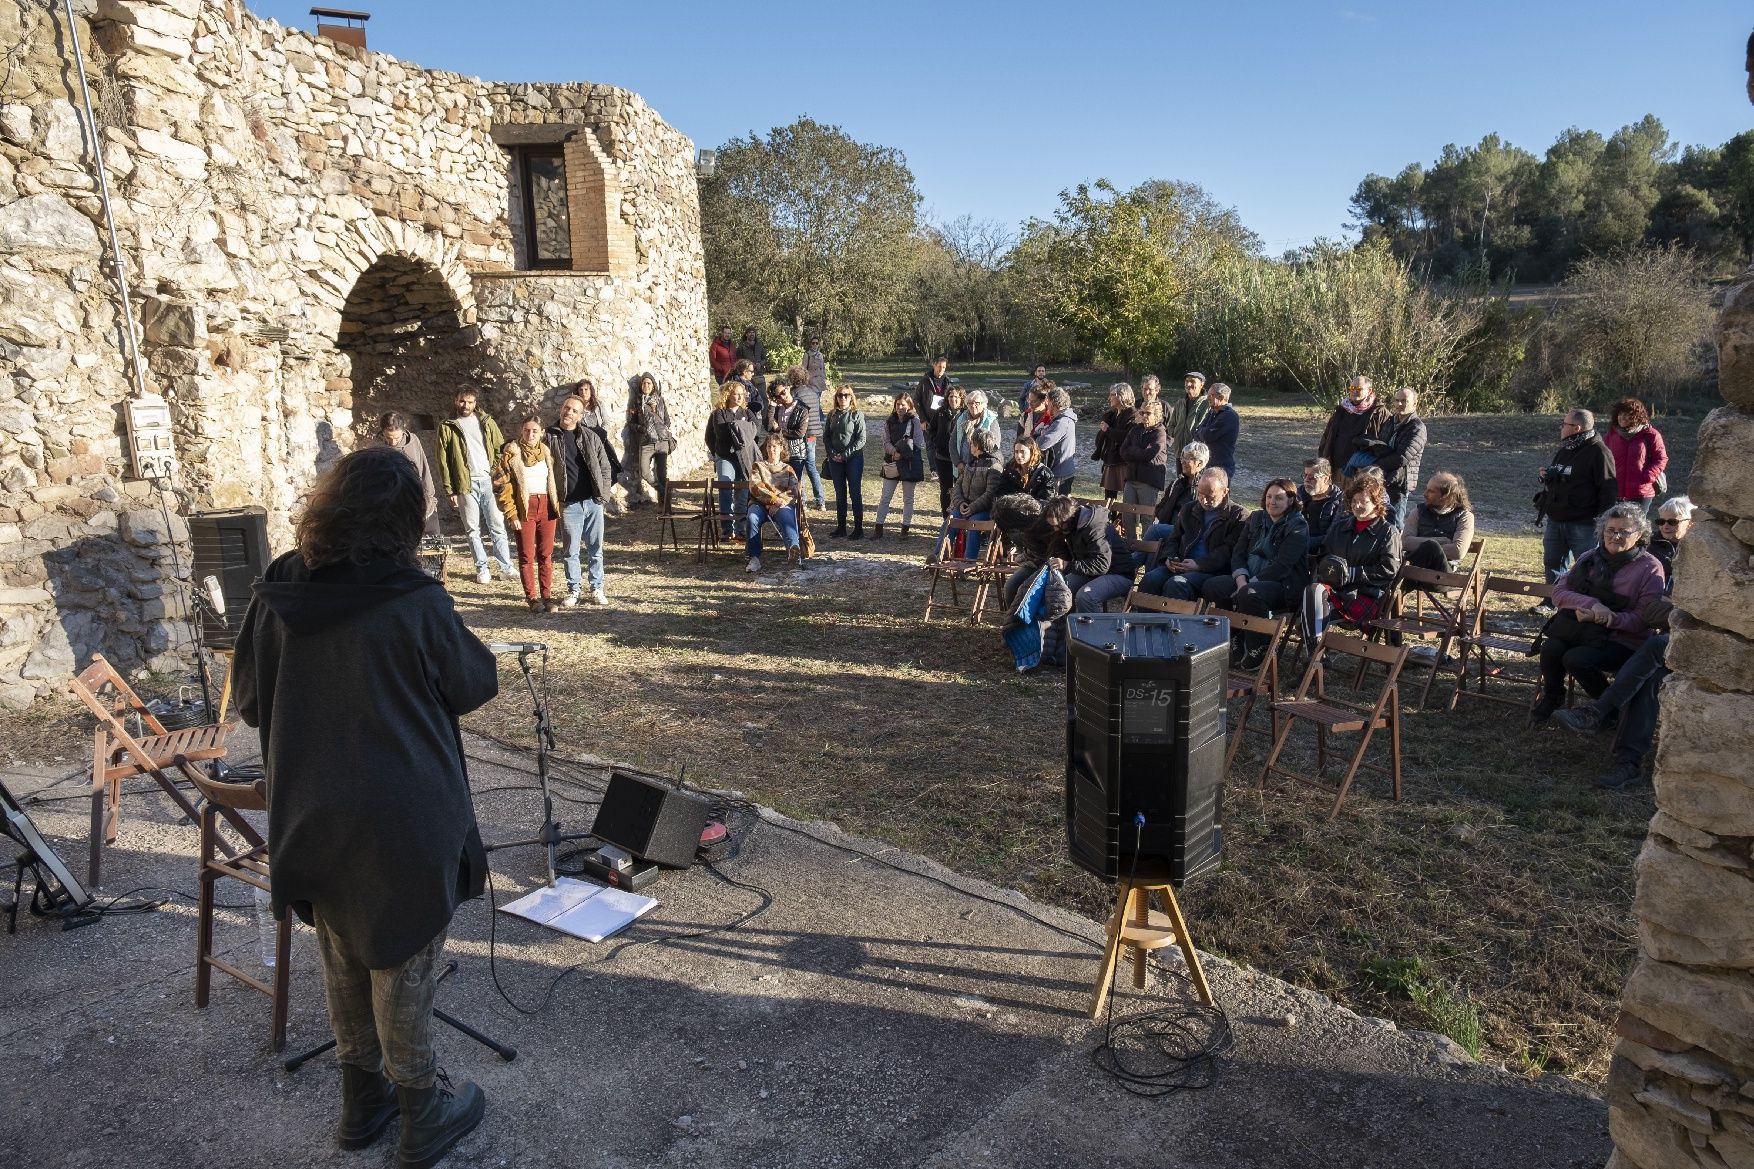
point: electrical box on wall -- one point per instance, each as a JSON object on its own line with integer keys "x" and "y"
{"x": 150, "y": 447}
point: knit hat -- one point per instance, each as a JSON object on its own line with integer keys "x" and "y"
{"x": 1195, "y": 374}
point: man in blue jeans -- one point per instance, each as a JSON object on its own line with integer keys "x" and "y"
{"x": 581, "y": 464}
{"x": 468, "y": 445}
{"x": 1200, "y": 548}
{"x": 1577, "y": 485}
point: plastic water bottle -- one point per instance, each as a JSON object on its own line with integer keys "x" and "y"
{"x": 266, "y": 926}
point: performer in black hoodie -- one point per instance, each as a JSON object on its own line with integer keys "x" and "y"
{"x": 355, "y": 667}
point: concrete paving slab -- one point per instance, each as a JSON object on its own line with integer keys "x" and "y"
{"x": 879, "y": 1010}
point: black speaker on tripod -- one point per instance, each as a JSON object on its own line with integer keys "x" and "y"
{"x": 1145, "y": 738}
{"x": 232, "y": 546}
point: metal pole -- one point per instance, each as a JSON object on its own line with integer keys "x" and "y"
{"x": 131, "y": 346}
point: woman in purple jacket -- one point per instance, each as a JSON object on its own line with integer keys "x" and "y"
{"x": 1601, "y": 602}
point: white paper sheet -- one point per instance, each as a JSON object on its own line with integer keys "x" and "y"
{"x": 580, "y": 908}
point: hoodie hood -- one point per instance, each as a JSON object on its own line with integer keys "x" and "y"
{"x": 309, "y": 602}
{"x": 634, "y": 382}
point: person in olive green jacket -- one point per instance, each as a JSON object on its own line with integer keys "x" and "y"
{"x": 469, "y": 444}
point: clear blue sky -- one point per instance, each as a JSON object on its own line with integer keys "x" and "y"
{"x": 1277, "y": 108}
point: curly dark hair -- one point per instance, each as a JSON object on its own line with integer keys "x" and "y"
{"x": 1370, "y": 485}
{"x": 1632, "y": 406}
{"x": 1289, "y": 488}
{"x": 369, "y": 506}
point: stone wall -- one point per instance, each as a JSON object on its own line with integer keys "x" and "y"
{"x": 312, "y": 234}
{"x": 1681, "y": 1088}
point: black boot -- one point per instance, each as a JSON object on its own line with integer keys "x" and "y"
{"x": 840, "y": 531}
{"x": 434, "y": 1119}
{"x": 368, "y": 1105}
{"x": 858, "y": 532}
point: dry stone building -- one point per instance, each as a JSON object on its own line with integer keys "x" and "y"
{"x": 312, "y": 234}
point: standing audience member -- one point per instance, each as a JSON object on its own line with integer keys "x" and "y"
{"x": 596, "y": 417}
{"x": 1404, "y": 451}
{"x": 469, "y": 444}
{"x": 1112, "y": 428}
{"x": 809, "y": 396}
{"x": 1180, "y": 492}
{"x": 1321, "y": 499}
{"x": 940, "y": 424}
{"x": 722, "y": 355}
{"x": 649, "y": 440}
{"x": 1577, "y": 485}
{"x": 1640, "y": 458}
{"x": 1025, "y": 474}
{"x": 816, "y": 365}
{"x": 1203, "y": 543}
{"x": 1188, "y": 411}
{"x": 755, "y": 397}
{"x": 844, "y": 436}
{"x": 904, "y": 461}
{"x": 1361, "y": 552}
{"x": 393, "y": 432}
{"x": 1632, "y": 695}
{"x": 1057, "y": 436}
{"x": 525, "y": 482}
{"x": 1220, "y": 428}
{"x": 582, "y": 482}
{"x": 788, "y": 420}
{"x": 1438, "y": 531}
{"x": 1038, "y": 377}
{"x": 1356, "y": 422}
{"x": 1269, "y": 566}
{"x": 732, "y": 439}
{"x": 346, "y": 632}
{"x": 1150, "y": 389}
{"x": 1146, "y": 450}
{"x": 1601, "y": 602}
{"x": 751, "y": 349}
{"x": 775, "y": 494}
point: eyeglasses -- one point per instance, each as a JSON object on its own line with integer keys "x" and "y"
{"x": 1669, "y": 523}
{"x": 1620, "y": 533}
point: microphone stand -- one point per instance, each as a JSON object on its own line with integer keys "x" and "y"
{"x": 549, "y": 836}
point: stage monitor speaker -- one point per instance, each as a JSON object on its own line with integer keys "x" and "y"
{"x": 233, "y": 546}
{"x": 1145, "y": 738}
{"x": 651, "y": 819}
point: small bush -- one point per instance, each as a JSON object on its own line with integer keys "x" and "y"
{"x": 1630, "y": 324}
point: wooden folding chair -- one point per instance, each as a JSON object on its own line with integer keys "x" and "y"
{"x": 673, "y": 512}
{"x": 250, "y": 867}
{"x": 1338, "y": 716}
{"x": 1488, "y": 633}
{"x": 1262, "y": 682}
{"x": 1152, "y": 603}
{"x": 962, "y": 570}
{"x": 1424, "y": 604}
{"x": 117, "y": 754}
{"x": 1144, "y": 513}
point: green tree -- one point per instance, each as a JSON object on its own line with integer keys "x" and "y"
{"x": 809, "y": 229}
{"x": 1626, "y": 186}
{"x": 1118, "y": 269}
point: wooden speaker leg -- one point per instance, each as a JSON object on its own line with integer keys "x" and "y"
{"x": 1110, "y": 954}
{"x": 1189, "y": 955}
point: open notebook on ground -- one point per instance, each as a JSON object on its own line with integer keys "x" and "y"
{"x": 581, "y": 908}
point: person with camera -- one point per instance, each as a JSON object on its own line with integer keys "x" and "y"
{"x": 1578, "y": 484}
{"x": 1203, "y": 543}
{"x": 583, "y": 477}
{"x": 1361, "y": 552}
{"x": 774, "y": 495}
{"x": 1601, "y": 601}
{"x": 371, "y": 836}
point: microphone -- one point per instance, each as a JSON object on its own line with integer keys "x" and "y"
{"x": 215, "y": 596}
{"x": 516, "y": 647}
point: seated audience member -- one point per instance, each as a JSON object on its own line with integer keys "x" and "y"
{"x": 1220, "y": 429}
{"x": 1146, "y": 451}
{"x": 1025, "y": 474}
{"x": 1440, "y": 527}
{"x": 971, "y": 498}
{"x": 1269, "y": 565}
{"x": 1071, "y": 538}
{"x": 774, "y": 495}
{"x": 524, "y": 483}
{"x": 1321, "y": 500}
{"x": 1601, "y": 600}
{"x": 1189, "y": 464}
{"x": 1204, "y": 540}
{"x": 1361, "y": 553}
{"x": 1111, "y": 431}
{"x": 1123, "y": 569}
{"x": 1632, "y": 695}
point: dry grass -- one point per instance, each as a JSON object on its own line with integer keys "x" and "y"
{"x": 1493, "y": 902}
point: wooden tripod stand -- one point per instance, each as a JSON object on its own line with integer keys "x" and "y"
{"x": 1140, "y": 928}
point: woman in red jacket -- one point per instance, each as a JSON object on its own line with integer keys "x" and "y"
{"x": 1639, "y": 455}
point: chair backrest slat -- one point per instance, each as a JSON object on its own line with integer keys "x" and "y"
{"x": 1357, "y": 647}
{"x": 1151, "y": 603}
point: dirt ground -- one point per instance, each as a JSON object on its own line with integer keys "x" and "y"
{"x": 1492, "y": 903}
